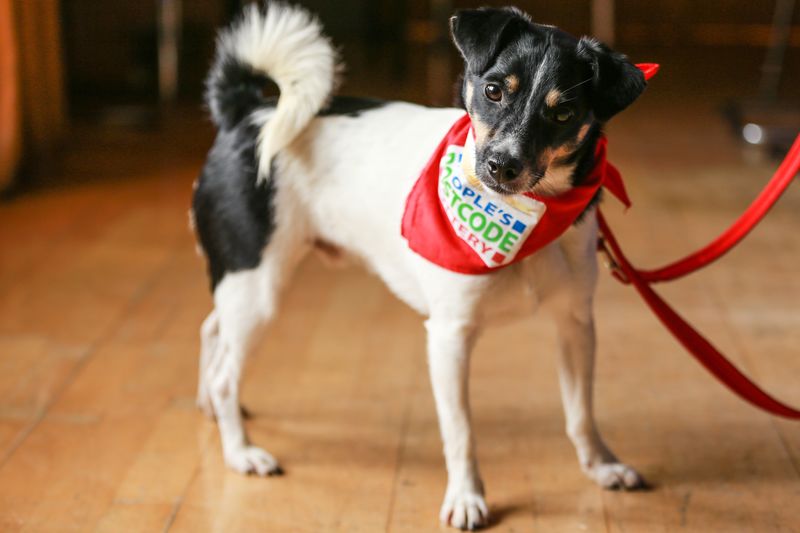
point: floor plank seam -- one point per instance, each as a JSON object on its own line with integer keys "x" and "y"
{"x": 401, "y": 449}
{"x": 606, "y": 517}
{"x": 174, "y": 512}
{"x": 93, "y": 348}
{"x": 74, "y": 224}
{"x": 746, "y": 357}
{"x": 178, "y": 505}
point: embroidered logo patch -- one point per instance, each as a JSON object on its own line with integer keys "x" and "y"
{"x": 495, "y": 227}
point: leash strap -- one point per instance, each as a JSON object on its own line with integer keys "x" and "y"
{"x": 738, "y": 230}
{"x": 697, "y": 345}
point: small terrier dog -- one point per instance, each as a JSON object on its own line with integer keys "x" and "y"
{"x": 279, "y": 172}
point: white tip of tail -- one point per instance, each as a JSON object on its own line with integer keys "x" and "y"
{"x": 287, "y": 44}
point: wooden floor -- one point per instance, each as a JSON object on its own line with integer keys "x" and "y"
{"x": 101, "y": 296}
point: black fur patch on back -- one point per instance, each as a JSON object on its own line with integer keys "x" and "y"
{"x": 351, "y": 106}
{"x": 234, "y": 216}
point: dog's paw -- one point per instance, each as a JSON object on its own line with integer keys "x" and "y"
{"x": 252, "y": 460}
{"x": 464, "y": 508}
{"x": 616, "y": 476}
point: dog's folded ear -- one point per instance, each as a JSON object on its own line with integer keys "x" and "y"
{"x": 617, "y": 82}
{"x": 481, "y": 34}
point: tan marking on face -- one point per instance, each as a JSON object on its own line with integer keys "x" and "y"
{"x": 552, "y": 98}
{"x": 468, "y": 162}
{"x": 557, "y": 175}
{"x": 512, "y": 83}
{"x": 582, "y": 133}
{"x": 552, "y": 156}
{"x": 480, "y": 128}
{"x": 557, "y": 180}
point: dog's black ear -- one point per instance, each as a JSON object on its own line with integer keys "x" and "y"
{"x": 481, "y": 34}
{"x": 617, "y": 82}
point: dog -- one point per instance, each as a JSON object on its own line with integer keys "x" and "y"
{"x": 280, "y": 171}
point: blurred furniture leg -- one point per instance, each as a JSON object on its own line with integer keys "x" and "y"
{"x": 9, "y": 98}
{"x": 772, "y": 69}
{"x": 169, "y": 30}
{"x": 439, "y": 70}
{"x": 168, "y": 16}
{"x": 766, "y": 120}
{"x": 603, "y": 20}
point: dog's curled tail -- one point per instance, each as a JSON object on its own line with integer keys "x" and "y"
{"x": 280, "y": 42}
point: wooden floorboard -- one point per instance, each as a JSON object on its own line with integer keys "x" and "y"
{"x": 102, "y": 294}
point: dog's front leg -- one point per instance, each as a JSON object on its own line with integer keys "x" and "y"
{"x": 449, "y": 346}
{"x": 576, "y": 375}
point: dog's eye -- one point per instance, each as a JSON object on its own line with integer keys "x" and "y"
{"x": 563, "y": 115}
{"x": 493, "y": 92}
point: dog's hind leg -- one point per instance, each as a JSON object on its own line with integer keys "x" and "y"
{"x": 244, "y": 301}
{"x": 209, "y": 339}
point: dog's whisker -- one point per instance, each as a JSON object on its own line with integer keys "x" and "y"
{"x": 577, "y": 85}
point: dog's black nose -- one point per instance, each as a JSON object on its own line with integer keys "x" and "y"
{"x": 504, "y": 170}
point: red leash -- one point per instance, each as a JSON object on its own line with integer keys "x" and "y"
{"x": 694, "y": 342}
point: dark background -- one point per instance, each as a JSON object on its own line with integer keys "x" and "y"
{"x": 110, "y": 47}
{"x": 89, "y": 77}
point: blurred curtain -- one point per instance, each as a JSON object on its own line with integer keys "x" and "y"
{"x": 9, "y": 97}
{"x": 40, "y": 72}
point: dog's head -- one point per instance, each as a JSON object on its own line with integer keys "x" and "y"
{"x": 536, "y": 95}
